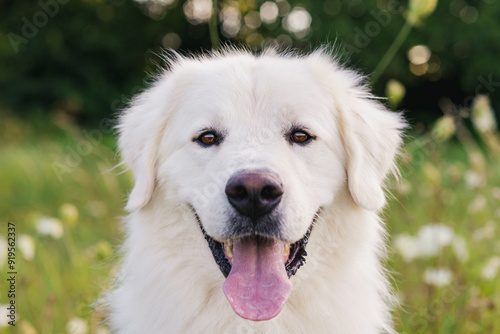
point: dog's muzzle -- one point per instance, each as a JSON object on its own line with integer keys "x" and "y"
{"x": 253, "y": 257}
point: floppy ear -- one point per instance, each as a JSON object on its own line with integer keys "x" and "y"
{"x": 140, "y": 130}
{"x": 372, "y": 137}
{"x": 370, "y": 133}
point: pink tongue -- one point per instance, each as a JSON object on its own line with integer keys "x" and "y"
{"x": 257, "y": 286}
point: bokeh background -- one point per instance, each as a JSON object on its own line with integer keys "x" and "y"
{"x": 67, "y": 67}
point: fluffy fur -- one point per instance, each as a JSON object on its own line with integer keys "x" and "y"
{"x": 169, "y": 282}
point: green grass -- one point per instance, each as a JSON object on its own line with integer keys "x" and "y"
{"x": 439, "y": 193}
{"x": 68, "y": 274}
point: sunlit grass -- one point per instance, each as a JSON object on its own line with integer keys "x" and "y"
{"x": 441, "y": 183}
{"x": 67, "y": 274}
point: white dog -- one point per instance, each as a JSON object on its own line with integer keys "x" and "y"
{"x": 242, "y": 163}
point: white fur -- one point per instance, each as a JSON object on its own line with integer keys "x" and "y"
{"x": 169, "y": 281}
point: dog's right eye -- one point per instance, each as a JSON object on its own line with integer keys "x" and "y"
{"x": 300, "y": 137}
{"x": 208, "y": 138}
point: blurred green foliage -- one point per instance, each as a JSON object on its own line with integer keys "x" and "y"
{"x": 87, "y": 57}
{"x": 80, "y": 61}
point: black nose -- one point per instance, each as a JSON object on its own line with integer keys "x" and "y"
{"x": 254, "y": 194}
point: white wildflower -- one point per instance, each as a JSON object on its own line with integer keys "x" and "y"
{"x": 27, "y": 328}
{"x": 483, "y": 117}
{"x": 490, "y": 269}
{"x": 485, "y": 232}
{"x": 103, "y": 249}
{"x": 489, "y": 229}
{"x": 420, "y": 9}
{"x": 432, "y": 238}
{"x": 69, "y": 213}
{"x": 478, "y": 235}
{"x": 478, "y": 204}
{"x": 403, "y": 187}
{"x": 26, "y": 245}
{"x": 395, "y": 92}
{"x": 101, "y": 330}
{"x": 407, "y": 246}
{"x": 4, "y": 313}
{"x": 474, "y": 291}
{"x": 477, "y": 161}
{"x": 496, "y": 193}
{"x": 460, "y": 248}
{"x": 77, "y": 326}
{"x": 438, "y": 276}
{"x": 50, "y": 226}
{"x": 473, "y": 179}
{"x": 429, "y": 241}
{"x": 3, "y": 251}
{"x": 444, "y": 128}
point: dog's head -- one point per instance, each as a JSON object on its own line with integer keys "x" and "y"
{"x": 256, "y": 146}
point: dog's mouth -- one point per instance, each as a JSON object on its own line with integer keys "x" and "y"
{"x": 257, "y": 271}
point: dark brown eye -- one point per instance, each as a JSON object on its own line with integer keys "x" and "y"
{"x": 208, "y": 138}
{"x": 299, "y": 137}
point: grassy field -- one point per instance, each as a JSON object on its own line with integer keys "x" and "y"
{"x": 59, "y": 188}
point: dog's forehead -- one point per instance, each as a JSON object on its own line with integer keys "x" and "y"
{"x": 249, "y": 90}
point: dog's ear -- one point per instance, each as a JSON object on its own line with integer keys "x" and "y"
{"x": 370, "y": 133}
{"x": 140, "y": 129}
{"x": 371, "y": 137}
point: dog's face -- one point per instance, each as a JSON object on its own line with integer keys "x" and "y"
{"x": 245, "y": 117}
{"x": 256, "y": 146}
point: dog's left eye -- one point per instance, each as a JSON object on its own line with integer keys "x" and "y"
{"x": 300, "y": 137}
{"x": 208, "y": 138}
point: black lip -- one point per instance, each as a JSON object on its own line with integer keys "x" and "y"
{"x": 217, "y": 249}
{"x": 295, "y": 260}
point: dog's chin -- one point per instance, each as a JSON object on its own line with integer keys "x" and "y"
{"x": 257, "y": 266}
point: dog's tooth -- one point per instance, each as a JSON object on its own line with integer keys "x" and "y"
{"x": 286, "y": 252}
{"x": 229, "y": 253}
{"x": 228, "y": 249}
